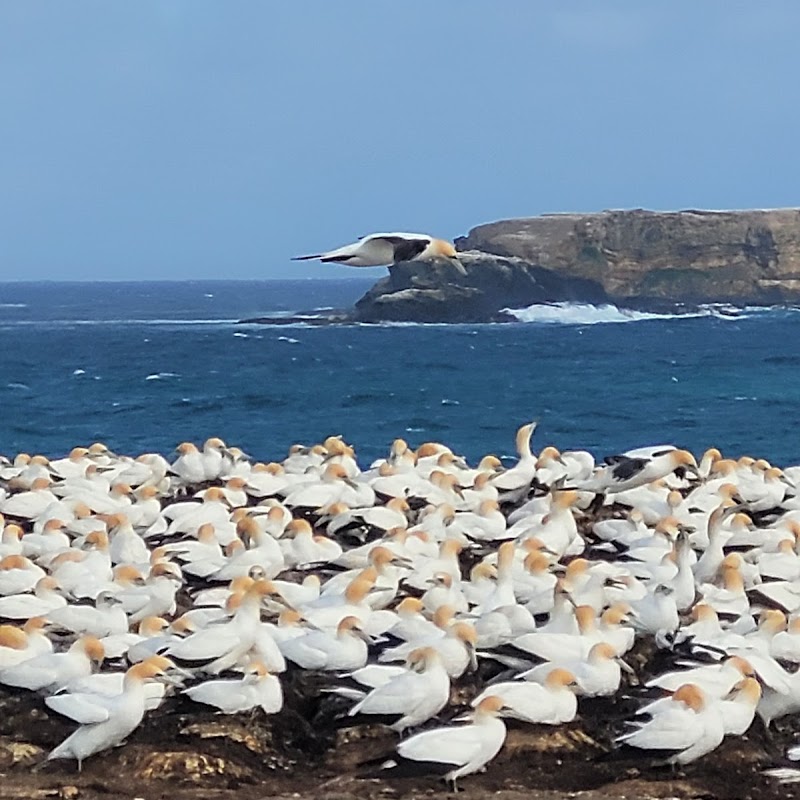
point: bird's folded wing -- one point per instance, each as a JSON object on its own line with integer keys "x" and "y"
{"x": 204, "y": 644}
{"x": 84, "y": 708}
{"x": 451, "y": 745}
{"x": 674, "y": 729}
{"x": 220, "y": 694}
{"x": 395, "y": 697}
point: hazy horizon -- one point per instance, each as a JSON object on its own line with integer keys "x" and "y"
{"x": 194, "y": 141}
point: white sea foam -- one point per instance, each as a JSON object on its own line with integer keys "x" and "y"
{"x": 157, "y": 376}
{"x": 288, "y": 339}
{"x": 13, "y": 305}
{"x": 587, "y": 314}
{"x": 79, "y": 372}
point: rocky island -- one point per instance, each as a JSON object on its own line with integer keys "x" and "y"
{"x": 632, "y": 258}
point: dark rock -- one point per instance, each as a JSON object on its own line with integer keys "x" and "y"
{"x": 436, "y": 291}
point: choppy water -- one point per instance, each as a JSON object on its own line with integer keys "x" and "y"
{"x": 143, "y": 366}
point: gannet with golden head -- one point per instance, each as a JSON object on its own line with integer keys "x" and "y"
{"x": 381, "y": 249}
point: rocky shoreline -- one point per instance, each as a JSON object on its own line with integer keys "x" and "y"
{"x": 634, "y": 259}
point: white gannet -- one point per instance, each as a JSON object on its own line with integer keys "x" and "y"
{"x": 256, "y": 689}
{"x": 714, "y": 679}
{"x": 688, "y": 723}
{"x": 739, "y": 706}
{"x": 54, "y": 671}
{"x": 597, "y": 675}
{"x": 637, "y": 468}
{"x": 515, "y": 481}
{"x": 381, "y": 249}
{"x": 414, "y": 695}
{"x": 47, "y": 596}
{"x": 456, "y": 751}
{"x": 22, "y": 644}
{"x": 550, "y": 702}
{"x": 18, "y": 574}
{"x": 106, "y": 618}
{"x": 346, "y": 648}
{"x": 108, "y": 721}
{"x": 223, "y": 644}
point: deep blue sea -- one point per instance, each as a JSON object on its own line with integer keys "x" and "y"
{"x": 144, "y": 366}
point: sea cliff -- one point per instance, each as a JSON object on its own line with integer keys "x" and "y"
{"x": 633, "y": 258}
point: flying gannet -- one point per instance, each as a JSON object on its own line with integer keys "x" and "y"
{"x": 380, "y": 249}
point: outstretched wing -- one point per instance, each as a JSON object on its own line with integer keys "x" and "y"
{"x": 406, "y": 249}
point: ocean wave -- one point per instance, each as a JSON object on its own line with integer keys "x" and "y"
{"x": 13, "y": 305}
{"x": 157, "y": 376}
{"x": 587, "y": 314}
{"x": 72, "y": 322}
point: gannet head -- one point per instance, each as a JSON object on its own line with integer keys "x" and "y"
{"x": 603, "y": 651}
{"x": 742, "y": 665}
{"x": 772, "y": 620}
{"x": 93, "y": 648}
{"x": 35, "y": 624}
{"x": 547, "y": 456}
{"x": 747, "y": 690}
{"x": 149, "y": 669}
{"x": 421, "y": 657}
{"x": 352, "y": 626}
{"x": 443, "y": 616}
{"x": 490, "y": 705}
{"x": 691, "y": 695}
{"x": 523, "y": 440}
{"x": 704, "y": 612}
{"x": 560, "y": 678}
{"x": 299, "y": 527}
{"x": 15, "y": 561}
{"x": 483, "y": 571}
{"x": 586, "y": 617}
{"x": 489, "y": 463}
{"x": 410, "y": 605}
{"x": 359, "y": 588}
{"x": 152, "y": 626}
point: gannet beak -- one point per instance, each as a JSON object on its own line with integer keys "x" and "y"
{"x": 473, "y": 657}
{"x": 624, "y": 666}
{"x": 364, "y": 635}
{"x": 455, "y": 261}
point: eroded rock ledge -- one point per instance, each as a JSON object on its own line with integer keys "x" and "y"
{"x": 636, "y": 259}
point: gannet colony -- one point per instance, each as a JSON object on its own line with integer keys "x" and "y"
{"x": 421, "y": 593}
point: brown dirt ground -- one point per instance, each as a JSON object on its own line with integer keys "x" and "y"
{"x": 183, "y": 752}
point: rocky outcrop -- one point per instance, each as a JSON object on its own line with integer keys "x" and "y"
{"x": 632, "y": 258}
{"x": 682, "y": 256}
{"x": 437, "y": 291}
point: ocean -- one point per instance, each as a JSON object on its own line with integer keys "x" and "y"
{"x": 144, "y": 366}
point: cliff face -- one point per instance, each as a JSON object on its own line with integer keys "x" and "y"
{"x": 684, "y": 256}
{"x": 633, "y": 258}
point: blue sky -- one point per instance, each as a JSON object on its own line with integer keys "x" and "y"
{"x": 198, "y": 139}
